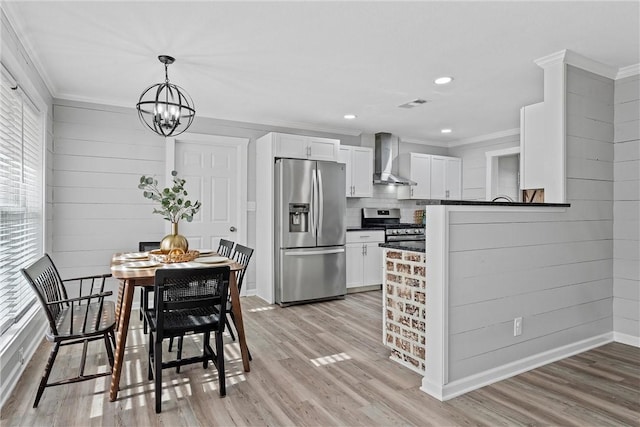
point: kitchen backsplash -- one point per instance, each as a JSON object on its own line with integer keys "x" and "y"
{"x": 384, "y": 196}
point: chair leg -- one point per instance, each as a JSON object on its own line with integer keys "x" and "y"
{"x": 220, "y": 364}
{"x": 206, "y": 344}
{"x": 233, "y": 337}
{"x": 142, "y": 305}
{"x": 151, "y": 357}
{"x": 144, "y": 300}
{"x": 47, "y": 372}
{"x": 179, "y": 355}
{"x": 171, "y": 344}
{"x": 158, "y": 368}
{"x": 107, "y": 344}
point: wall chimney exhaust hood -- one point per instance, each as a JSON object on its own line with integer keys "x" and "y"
{"x": 384, "y": 161}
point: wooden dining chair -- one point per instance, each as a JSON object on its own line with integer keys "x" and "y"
{"x": 79, "y": 320}
{"x": 188, "y": 301}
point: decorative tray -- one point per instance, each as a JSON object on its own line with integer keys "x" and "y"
{"x": 175, "y": 255}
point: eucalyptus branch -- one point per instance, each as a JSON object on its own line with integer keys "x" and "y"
{"x": 173, "y": 203}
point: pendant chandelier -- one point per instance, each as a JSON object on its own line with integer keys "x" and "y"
{"x": 166, "y": 108}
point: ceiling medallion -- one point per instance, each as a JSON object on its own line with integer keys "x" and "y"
{"x": 166, "y": 108}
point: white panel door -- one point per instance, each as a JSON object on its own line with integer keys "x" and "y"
{"x": 216, "y": 174}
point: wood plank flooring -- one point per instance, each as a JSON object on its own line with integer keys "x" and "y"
{"x": 324, "y": 365}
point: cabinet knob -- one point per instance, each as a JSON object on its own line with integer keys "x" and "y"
{"x": 232, "y": 229}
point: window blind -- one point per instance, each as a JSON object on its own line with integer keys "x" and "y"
{"x": 21, "y": 199}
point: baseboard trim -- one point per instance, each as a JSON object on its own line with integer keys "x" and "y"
{"x": 626, "y": 339}
{"x": 476, "y": 381}
{"x": 364, "y": 289}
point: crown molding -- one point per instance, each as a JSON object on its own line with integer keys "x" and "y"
{"x": 420, "y": 142}
{"x": 488, "y": 137}
{"x": 551, "y": 59}
{"x": 631, "y": 70}
{"x": 572, "y": 58}
{"x": 16, "y": 25}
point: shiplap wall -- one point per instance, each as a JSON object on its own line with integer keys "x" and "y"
{"x": 99, "y": 153}
{"x": 626, "y": 208}
{"x": 553, "y": 269}
{"x": 474, "y": 164}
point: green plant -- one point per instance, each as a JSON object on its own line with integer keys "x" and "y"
{"x": 173, "y": 202}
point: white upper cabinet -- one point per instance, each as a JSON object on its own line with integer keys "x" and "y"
{"x": 306, "y": 147}
{"x": 416, "y": 167}
{"x": 359, "y": 170}
{"x": 436, "y": 177}
{"x": 446, "y": 177}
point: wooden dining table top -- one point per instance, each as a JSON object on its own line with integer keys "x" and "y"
{"x": 121, "y": 266}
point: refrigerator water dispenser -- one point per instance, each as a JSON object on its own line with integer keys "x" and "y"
{"x": 298, "y": 217}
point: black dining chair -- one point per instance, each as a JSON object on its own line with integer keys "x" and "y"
{"x": 225, "y": 248}
{"x": 79, "y": 320}
{"x": 241, "y": 255}
{"x": 188, "y": 301}
{"x": 144, "y": 291}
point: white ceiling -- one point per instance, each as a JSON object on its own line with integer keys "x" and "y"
{"x": 306, "y": 64}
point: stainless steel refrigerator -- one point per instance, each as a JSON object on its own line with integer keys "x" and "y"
{"x": 310, "y": 206}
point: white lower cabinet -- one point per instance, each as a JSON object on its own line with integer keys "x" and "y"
{"x": 364, "y": 258}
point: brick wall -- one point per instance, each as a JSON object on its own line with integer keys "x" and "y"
{"x": 404, "y": 307}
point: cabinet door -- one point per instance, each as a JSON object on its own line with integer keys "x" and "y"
{"x": 354, "y": 264}
{"x": 438, "y": 177}
{"x": 344, "y": 156}
{"x": 454, "y": 178}
{"x": 421, "y": 173}
{"x": 362, "y": 171}
{"x": 323, "y": 149}
{"x": 292, "y": 146}
{"x": 372, "y": 272}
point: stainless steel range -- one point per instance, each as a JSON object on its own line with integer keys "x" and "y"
{"x": 389, "y": 220}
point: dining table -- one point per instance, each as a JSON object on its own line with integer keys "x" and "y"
{"x": 132, "y": 271}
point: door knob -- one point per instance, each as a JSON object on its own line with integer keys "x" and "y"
{"x": 232, "y": 229}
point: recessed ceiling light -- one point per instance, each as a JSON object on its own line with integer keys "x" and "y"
{"x": 445, "y": 130}
{"x": 443, "y": 80}
{"x": 350, "y": 116}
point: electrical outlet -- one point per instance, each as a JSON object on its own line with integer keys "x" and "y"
{"x": 517, "y": 326}
{"x": 21, "y": 355}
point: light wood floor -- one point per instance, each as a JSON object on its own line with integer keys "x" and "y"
{"x": 324, "y": 365}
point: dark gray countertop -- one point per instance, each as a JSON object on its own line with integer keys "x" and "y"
{"x": 485, "y": 203}
{"x": 405, "y": 246}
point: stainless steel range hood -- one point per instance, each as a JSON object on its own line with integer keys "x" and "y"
{"x": 384, "y": 161}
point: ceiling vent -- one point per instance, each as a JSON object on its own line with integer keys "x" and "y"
{"x": 412, "y": 104}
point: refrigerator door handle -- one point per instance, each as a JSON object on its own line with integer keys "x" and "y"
{"x": 321, "y": 200}
{"x": 321, "y": 252}
{"x": 314, "y": 188}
